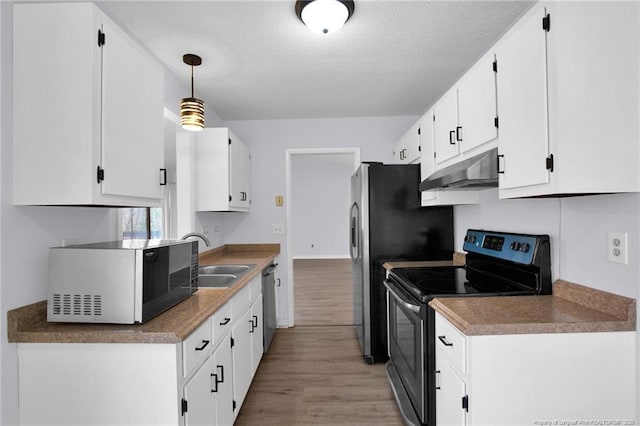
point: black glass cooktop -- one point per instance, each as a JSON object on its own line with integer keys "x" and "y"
{"x": 425, "y": 283}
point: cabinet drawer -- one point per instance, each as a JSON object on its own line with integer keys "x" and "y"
{"x": 241, "y": 300}
{"x": 222, "y": 321}
{"x": 197, "y": 347}
{"x": 256, "y": 287}
{"x": 450, "y": 343}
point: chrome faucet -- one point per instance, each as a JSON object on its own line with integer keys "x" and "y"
{"x": 199, "y": 235}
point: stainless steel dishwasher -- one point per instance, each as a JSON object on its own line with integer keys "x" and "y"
{"x": 269, "y": 303}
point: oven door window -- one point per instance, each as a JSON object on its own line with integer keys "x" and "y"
{"x": 406, "y": 331}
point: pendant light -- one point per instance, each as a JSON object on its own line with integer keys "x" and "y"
{"x": 324, "y": 16}
{"x": 192, "y": 109}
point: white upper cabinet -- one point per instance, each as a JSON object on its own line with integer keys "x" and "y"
{"x": 477, "y": 105}
{"x": 568, "y": 100}
{"x": 428, "y": 166}
{"x": 522, "y": 103}
{"x": 222, "y": 171}
{"x": 445, "y": 125}
{"x": 88, "y": 110}
{"x": 465, "y": 117}
{"x": 407, "y": 149}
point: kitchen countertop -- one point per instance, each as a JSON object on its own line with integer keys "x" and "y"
{"x": 572, "y": 308}
{"x": 29, "y": 324}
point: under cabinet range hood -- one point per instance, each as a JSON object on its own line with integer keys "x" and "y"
{"x": 480, "y": 171}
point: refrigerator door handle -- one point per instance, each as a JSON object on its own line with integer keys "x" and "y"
{"x": 355, "y": 244}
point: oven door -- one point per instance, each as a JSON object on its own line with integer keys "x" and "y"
{"x": 406, "y": 318}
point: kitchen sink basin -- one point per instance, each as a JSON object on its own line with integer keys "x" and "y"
{"x": 223, "y": 269}
{"x": 220, "y": 276}
{"x": 216, "y": 280}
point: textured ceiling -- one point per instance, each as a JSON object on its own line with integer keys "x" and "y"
{"x": 260, "y": 62}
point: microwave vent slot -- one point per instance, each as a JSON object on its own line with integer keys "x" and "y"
{"x": 77, "y": 304}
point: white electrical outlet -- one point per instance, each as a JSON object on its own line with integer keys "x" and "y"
{"x": 617, "y": 246}
{"x": 278, "y": 228}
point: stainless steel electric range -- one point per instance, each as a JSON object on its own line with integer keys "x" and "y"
{"x": 497, "y": 264}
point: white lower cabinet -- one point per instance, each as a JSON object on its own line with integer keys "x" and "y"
{"x": 241, "y": 350}
{"x": 223, "y": 392}
{"x": 247, "y": 347}
{"x": 199, "y": 396}
{"x": 257, "y": 334}
{"x": 526, "y": 379}
{"x": 200, "y": 381}
{"x": 450, "y": 389}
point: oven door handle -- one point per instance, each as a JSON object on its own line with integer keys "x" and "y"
{"x": 401, "y": 298}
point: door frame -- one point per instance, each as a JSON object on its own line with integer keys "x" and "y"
{"x": 289, "y": 153}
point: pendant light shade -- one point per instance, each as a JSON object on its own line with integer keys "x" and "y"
{"x": 192, "y": 109}
{"x": 324, "y": 16}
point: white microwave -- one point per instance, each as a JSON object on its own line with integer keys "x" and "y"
{"x": 121, "y": 282}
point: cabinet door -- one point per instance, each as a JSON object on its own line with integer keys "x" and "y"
{"x": 427, "y": 162}
{"x": 257, "y": 334}
{"x": 450, "y": 389}
{"x": 224, "y": 389}
{"x": 236, "y": 178}
{"x": 200, "y": 396}
{"x": 398, "y": 151}
{"x": 242, "y": 356}
{"x": 477, "y": 105}
{"x": 523, "y": 141}
{"x": 444, "y": 126}
{"x": 211, "y": 169}
{"x": 132, "y": 117}
{"x": 407, "y": 149}
{"x": 246, "y": 175}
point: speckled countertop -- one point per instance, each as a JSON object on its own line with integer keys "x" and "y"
{"x": 572, "y": 308}
{"x": 29, "y": 323}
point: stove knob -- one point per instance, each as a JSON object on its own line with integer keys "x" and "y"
{"x": 525, "y": 247}
{"x": 515, "y": 246}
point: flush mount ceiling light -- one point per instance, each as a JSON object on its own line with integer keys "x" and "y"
{"x": 192, "y": 109}
{"x": 324, "y": 16}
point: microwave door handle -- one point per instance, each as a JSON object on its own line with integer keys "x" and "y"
{"x": 401, "y": 299}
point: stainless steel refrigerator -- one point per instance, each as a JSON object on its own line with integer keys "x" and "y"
{"x": 388, "y": 224}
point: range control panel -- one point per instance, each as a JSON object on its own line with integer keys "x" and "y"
{"x": 519, "y": 248}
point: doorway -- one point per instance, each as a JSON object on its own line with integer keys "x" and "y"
{"x": 318, "y": 263}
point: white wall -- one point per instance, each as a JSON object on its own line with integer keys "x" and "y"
{"x": 320, "y": 198}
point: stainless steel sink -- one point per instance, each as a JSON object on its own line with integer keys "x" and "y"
{"x": 216, "y": 280}
{"x": 220, "y": 276}
{"x": 223, "y": 269}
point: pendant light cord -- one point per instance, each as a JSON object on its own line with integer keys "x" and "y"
{"x": 192, "y": 95}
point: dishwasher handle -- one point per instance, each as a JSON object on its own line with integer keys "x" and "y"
{"x": 401, "y": 298}
{"x": 271, "y": 269}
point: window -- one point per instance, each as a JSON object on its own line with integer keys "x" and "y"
{"x": 141, "y": 223}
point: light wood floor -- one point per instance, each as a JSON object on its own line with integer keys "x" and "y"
{"x": 314, "y": 374}
{"x": 323, "y": 292}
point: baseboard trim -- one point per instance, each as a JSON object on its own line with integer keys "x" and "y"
{"x": 322, "y": 256}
